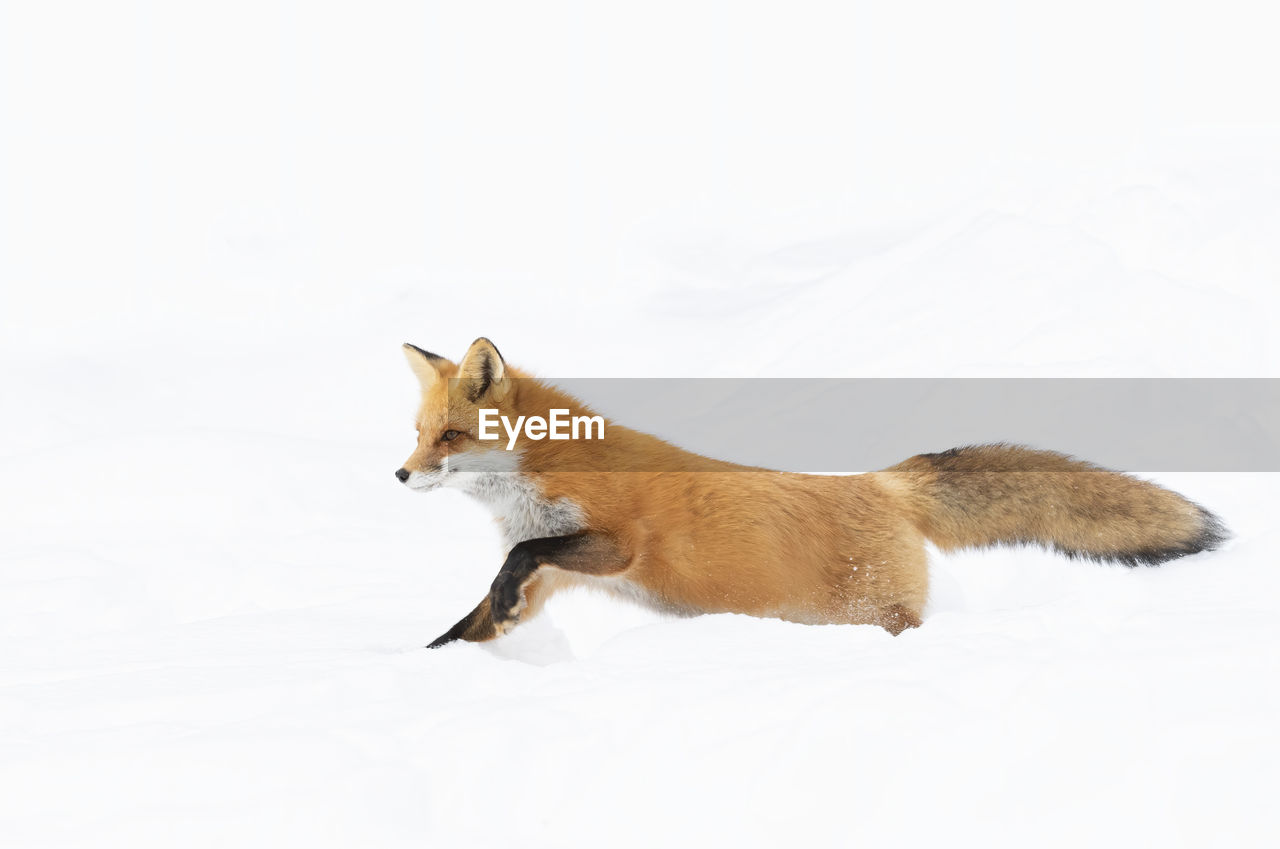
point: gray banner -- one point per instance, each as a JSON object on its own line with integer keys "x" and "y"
{"x": 851, "y": 425}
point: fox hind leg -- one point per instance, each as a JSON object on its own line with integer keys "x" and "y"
{"x": 897, "y": 618}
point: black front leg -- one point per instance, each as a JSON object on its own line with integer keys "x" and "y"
{"x": 475, "y": 627}
{"x": 588, "y": 552}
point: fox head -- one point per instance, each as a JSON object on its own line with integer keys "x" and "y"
{"x": 448, "y": 451}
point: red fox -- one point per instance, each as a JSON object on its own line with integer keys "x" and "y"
{"x": 688, "y": 534}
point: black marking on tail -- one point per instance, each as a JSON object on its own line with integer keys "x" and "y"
{"x": 1212, "y": 534}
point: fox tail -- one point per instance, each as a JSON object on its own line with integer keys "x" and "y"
{"x": 1007, "y": 494}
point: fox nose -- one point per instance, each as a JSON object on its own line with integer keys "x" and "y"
{"x": 402, "y": 475}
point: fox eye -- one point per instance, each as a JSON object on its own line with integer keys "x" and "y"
{"x": 450, "y": 435}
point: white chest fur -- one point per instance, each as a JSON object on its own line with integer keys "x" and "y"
{"x": 523, "y": 513}
{"x": 521, "y": 510}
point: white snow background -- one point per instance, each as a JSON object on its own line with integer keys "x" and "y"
{"x": 220, "y": 220}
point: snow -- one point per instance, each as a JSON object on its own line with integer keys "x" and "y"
{"x": 219, "y": 224}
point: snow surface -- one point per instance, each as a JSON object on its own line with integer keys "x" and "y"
{"x": 218, "y": 223}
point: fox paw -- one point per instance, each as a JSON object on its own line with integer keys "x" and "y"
{"x": 506, "y": 601}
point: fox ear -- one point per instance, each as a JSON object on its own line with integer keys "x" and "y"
{"x": 425, "y": 364}
{"x": 483, "y": 372}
